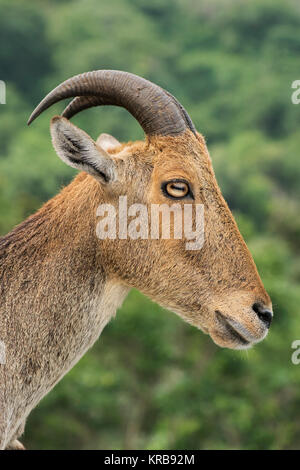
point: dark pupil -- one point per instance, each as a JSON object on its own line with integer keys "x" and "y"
{"x": 180, "y": 187}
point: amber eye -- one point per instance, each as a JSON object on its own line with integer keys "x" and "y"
{"x": 176, "y": 189}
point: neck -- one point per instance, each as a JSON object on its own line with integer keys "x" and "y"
{"x": 56, "y": 295}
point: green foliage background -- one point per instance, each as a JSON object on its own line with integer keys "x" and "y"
{"x": 152, "y": 381}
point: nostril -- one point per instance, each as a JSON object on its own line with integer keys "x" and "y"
{"x": 263, "y": 314}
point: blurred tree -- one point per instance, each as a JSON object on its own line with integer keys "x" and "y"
{"x": 25, "y": 55}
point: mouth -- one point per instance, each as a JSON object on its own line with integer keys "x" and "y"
{"x": 237, "y": 333}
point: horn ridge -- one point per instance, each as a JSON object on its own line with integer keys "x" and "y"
{"x": 157, "y": 111}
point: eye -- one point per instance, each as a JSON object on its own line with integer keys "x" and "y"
{"x": 177, "y": 189}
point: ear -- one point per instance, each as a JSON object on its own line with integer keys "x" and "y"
{"x": 78, "y": 150}
{"x": 107, "y": 141}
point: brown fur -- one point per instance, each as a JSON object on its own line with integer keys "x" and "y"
{"x": 60, "y": 284}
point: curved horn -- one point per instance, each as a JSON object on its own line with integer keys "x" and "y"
{"x": 158, "y": 112}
